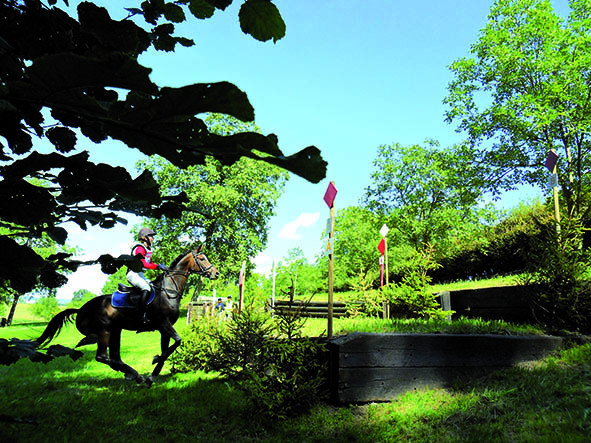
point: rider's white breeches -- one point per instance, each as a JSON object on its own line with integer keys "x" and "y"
{"x": 136, "y": 280}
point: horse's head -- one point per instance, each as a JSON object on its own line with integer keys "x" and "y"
{"x": 201, "y": 265}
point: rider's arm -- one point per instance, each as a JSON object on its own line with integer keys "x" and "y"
{"x": 141, "y": 251}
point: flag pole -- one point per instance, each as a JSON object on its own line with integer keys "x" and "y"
{"x": 329, "y": 197}
{"x": 241, "y": 285}
{"x": 330, "y": 273}
{"x": 552, "y": 165}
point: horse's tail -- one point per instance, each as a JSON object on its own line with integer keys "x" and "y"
{"x": 55, "y": 326}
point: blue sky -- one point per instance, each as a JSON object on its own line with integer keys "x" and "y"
{"x": 349, "y": 76}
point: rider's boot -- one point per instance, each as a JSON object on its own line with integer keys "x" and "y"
{"x": 144, "y": 306}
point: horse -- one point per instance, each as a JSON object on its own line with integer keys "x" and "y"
{"x": 101, "y": 323}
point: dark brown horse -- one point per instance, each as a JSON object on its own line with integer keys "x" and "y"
{"x": 102, "y": 323}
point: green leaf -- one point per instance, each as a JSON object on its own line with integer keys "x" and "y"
{"x": 201, "y": 8}
{"x": 59, "y": 72}
{"x": 174, "y": 13}
{"x": 64, "y": 139}
{"x": 58, "y": 234}
{"x": 262, "y": 20}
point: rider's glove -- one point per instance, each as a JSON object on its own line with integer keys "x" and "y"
{"x": 162, "y": 267}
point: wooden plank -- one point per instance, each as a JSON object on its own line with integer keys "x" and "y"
{"x": 305, "y": 303}
{"x": 504, "y": 296}
{"x": 377, "y": 367}
{"x": 362, "y": 385}
{"x": 405, "y": 350}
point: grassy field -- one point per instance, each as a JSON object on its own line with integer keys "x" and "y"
{"x": 64, "y": 400}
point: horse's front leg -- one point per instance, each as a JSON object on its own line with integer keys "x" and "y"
{"x": 167, "y": 332}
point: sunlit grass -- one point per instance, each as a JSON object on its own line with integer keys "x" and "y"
{"x": 83, "y": 400}
{"x": 346, "y": 325}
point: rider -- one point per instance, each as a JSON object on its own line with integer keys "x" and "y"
{"x": 144, "y": 250}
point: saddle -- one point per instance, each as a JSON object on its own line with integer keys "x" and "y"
{"x": 128, "y": 297}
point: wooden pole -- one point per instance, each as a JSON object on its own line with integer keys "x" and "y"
{"x": 386, "y": 258}
{"x": 555, "y": 192}
{"x": 330, "y": 272}
{"x": 273, "y": 274}
{"x": 241, "y": 279}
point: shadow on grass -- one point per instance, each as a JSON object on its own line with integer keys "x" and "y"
{"x": 83, "y": 400}
{"x": 548, "y": 401}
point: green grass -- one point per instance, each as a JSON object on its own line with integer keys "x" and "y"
{"x": 508, "y": 280}
{"x": 548, "y": 400}
{"x": 86, "y": 401}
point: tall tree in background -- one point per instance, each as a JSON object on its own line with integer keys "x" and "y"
{"x": 355, "y": 250}
{"x": 526, "y": 89}
{"x": 424, "y": 192}
{"x": 71, "y": 80}
{"x": 237, "y": 202}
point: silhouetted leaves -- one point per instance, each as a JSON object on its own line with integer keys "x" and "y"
{"x": 14, "y": 349}
{"x": 262, "y": 20}
{"x": 85, "y": 72}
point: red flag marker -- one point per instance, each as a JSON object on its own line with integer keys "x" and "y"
{"x": 330, "y": 194}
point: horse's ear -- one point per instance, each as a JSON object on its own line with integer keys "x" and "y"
{"x": 200, "y": 248}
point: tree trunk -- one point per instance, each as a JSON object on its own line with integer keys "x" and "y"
{"x": 12, "y": 309}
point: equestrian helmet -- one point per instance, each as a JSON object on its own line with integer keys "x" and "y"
{"x": 145, "y": 232}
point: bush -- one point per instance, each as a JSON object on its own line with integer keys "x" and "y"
{"x": 45, "y": 307}
{"x": 412, "y": 297}
{"x": 500, "y": 249}
{"x": 198, "y": 345}
{"x": 558, "y": 275}
{"x": 269, "y": 360}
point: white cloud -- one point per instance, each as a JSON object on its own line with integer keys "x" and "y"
{"x": 86, "y": 277}
{"x": 263, "y": 264}
{"x": 305, "y": 219}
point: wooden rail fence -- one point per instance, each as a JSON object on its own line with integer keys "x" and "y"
{"x": 310, "y": 309}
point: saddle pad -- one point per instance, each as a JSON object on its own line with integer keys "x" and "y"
{"x": 128, "y": 299}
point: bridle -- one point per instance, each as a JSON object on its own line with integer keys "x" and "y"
{"x": 177, "y": 293}
{"x": 202, "y": 269}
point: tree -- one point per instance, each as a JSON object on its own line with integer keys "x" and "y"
{"x": 526, "y": 89}
{"x": 424, "y": 192}
{"x": 71, "y": 80}
{"x": 294, "y": 273}
{"x": 45, "y": 247}
{"x": 46, "y": 307}
{"x": 237, "y": 200}
{"x": 113, "y": 280}
{"x": 80, "y": 297}
{"x": 357, "y": 234}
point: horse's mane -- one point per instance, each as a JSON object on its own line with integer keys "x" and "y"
{"x": 179, "y": 258}
{"x": 175, "y": 262}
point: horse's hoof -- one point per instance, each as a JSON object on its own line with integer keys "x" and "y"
{"x": 140, "y": 379}
{"x": 148, "y": 381}
{"x": 156, "y": 359}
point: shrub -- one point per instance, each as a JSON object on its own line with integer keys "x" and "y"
{"x": 45, "y": 307}
{"x": 201, "y": 341}
{"x": 410, "y": 298}
{"x": 268, "y": 359}
{"x": 558, "y": 278}
{"x": 503, "y": 248}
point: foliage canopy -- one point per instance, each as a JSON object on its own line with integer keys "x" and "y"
{"x": 70, "y": 80}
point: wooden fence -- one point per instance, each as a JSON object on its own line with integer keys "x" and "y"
{"x": 366, "y": 367}
{"x": 508, "y": 303}
{"x": 314, "y": 309}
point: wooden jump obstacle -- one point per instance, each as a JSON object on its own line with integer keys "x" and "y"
{"x": 310, "y": 309}
{"x": 367, "y": 367}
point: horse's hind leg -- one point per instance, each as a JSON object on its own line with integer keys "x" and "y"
{"x": 111, "y": 342}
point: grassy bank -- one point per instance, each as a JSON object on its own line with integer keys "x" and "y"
{"x": 548, "y": 400}
{"x": 86, "y": 401}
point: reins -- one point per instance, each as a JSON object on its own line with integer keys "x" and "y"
{"x": 169, "y": 273}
